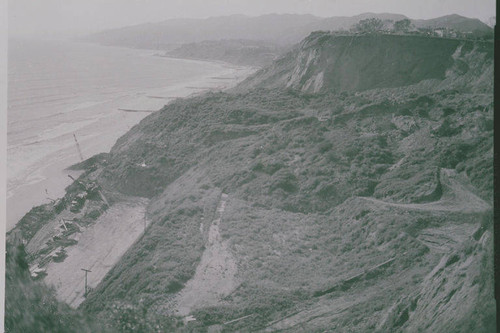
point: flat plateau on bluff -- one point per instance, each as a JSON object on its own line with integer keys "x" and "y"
{"x": 347, "y": 187}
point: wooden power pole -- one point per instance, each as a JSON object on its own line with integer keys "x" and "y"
{"x": 86, "y": 271}
{"x": 78, "y": 147}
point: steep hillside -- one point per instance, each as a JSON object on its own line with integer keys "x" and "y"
{"x": 326, "y": 62}
{"x": 359, "y": 204}
{"x": 32, "y": 307}
{"x": 376, "y": 192}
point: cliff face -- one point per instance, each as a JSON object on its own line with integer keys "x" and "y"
{"x": 325, "y": 62}
{"x": 358, "y": 199}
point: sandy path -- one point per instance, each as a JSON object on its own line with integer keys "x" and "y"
{"x": 215, "y": 274}
{"x": 98, "y": 249}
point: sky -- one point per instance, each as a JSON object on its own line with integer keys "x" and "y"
{"x": 59, "y": 18}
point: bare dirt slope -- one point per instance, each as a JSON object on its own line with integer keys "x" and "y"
{"x": 98, "y": 249}
{"x": 215, "y": 274}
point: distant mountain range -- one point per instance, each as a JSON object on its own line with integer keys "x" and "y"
{"x": 282, "y": 29}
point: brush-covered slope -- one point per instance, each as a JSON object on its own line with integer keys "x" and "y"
{"x": 32, "y": 307}
{"x": 356, "y": 210}
{"x": 361, "y": 209}
{"x": 330, "y": 62}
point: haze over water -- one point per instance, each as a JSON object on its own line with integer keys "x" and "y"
{"x": 57, "y": 89}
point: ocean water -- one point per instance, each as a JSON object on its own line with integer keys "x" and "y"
{"x": 60, "y": 90}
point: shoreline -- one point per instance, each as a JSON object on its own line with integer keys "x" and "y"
{"x": 46, "y": 176}
{"x": 218, "y": 62}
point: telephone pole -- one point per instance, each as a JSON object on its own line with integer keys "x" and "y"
{"x": 78, "y": 147}
{"x": 86, "y": 271}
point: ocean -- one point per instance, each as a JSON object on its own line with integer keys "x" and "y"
{"x": 61, "y": 92}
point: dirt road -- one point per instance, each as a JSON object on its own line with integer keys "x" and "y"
{"x": 98, "y": 249}
{"x": 457, "y": 197}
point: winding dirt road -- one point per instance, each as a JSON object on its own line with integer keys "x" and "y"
{"x": 457, "y": 197}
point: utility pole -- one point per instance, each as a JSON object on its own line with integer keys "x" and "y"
{"x": 86, "y": 271}
{"x": 78, "y": 147}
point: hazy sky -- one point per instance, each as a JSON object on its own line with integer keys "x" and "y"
{"x": 69, "y": 17}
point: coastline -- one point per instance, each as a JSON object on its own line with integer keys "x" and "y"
{"x": 219, "y": 62}
{"x": 45, "y": 177}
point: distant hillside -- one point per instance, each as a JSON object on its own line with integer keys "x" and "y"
{"x": 492, "y": 21}
{"x": 336, "y": 23}
{"x": 458, "y": 23}
{"x": 280, "y": 29}
{"x": 236, "y": 51}
{"x": 179, "y": 31}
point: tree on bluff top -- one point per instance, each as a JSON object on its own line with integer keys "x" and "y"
{"x": 402, "y": 25}
{"x": 369, "y": 25}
